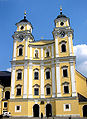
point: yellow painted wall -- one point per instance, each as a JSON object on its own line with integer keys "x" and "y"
{"x": 24, "y": 108}
{"x": 60, "y": 107}
{"x": 81, "y": 84}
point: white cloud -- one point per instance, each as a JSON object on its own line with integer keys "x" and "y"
{"x": 80, "y": 52}
{"x": 8, "y": 69}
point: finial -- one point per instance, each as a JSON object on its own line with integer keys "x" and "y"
{"x": 60, "y": 9}
{"x": 25, "y": 14}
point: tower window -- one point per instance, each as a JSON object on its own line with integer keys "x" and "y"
{"x": 5, "y": 104}
{"x": 22, "y": 27}
{"x": 65, "y": 73}
{"x": 62, "y": 23}
{"x": 36, "y": 91}
{"x": 20, "y": 51}
{"x": 19, "y": 77}
{"x": 63, "y": 47}
{"x": 19, "y": 74}
{"x": 66, "y": 89}
{"x": 48, "y": 90}
{"x": 18, "y": 91}
{"x": 36, "y": 75}
{"x": 47, "y": 75}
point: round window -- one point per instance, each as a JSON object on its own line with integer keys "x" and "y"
{"x": 62, "y": 23}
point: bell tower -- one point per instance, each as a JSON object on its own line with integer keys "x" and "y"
{"x": 23, "y": 33}
{"x": 22, "y": 37}
{"x": 65, "y": 59}
{"x": 63, "y": 33}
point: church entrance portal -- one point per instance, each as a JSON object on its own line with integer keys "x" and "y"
{"x": 36, "y": 110}
{"x": 48, "y": 110}
{"x": 85, "y": 111}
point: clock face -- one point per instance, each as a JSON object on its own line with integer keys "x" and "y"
{"x": 62, "y": 33}
{"x": 21, "y": 37}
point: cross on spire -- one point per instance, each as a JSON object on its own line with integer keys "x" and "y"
{"x": 25, "y": 14}
{"x": 61, "y": 10}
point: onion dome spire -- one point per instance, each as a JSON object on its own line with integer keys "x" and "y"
{"x": 25, "y": 14}
{"x": 61, "y": 10}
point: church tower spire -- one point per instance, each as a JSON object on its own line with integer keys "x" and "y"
{"x": 25, "y": 14}
{"x": 61, "y": 10}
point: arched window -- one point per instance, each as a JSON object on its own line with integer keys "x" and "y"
{"x": 36, "y": 74}
{"x": 18, "y": 90}
{"x": 36, "y": 89}
{"x": 66, "y": 87}
{"x": 36, "y": 53}
{"x": 20, "y": 51}
{"x": 47, "y": 73}
{"x": 47, "y": 53}
{"x": 63, "y": 47}
{"x": 48, "y": 90}
{"x": 65, "y": 71}
{"x": 19, "y": 74}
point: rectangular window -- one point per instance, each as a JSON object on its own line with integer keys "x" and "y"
{"x": 36, "y": 91}
{"x": 65, "y": 74}
{"x": 19, "y": 77}
{"x": 18, "y": 108}
{"x": 47, "y": 75}
{"x": 5, "y": 104}
{"x": 66, "y": 89}
{"x": 48, "y": 91}
{"x": 67, "y": 107}
{"x": 18, "y": 91}
{"x": 36, "y": 75}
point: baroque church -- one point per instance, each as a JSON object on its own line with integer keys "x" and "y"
{"x": 43, "y": 75}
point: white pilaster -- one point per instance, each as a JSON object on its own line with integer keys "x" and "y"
{"x": 58, "y": 80}
{"x": 42, "y": 81}
{"x": 26, "y": 49}
{"x": 13, "y": 81}
{"x": 52, "y": 51}
{"x": 30, "y": 80}
{"x": 70, "y": 46}
{"x": 56, "y": 46}
{"x": 73, "y": 79}
{"x": 14, "y": 51}
{"x": 25, "y": 81}
{"x": 42, "y": 53}
{"x": 53, "y": 80}
{"x": 30, "y": 52}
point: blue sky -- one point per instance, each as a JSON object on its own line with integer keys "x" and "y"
{"x": 41, "y": 13}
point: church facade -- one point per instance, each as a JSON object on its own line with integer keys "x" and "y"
{"x": 43, "y": 77}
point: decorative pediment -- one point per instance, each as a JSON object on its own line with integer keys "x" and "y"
{"x": 65, "y": 83}
{"x": 36, "y": 85}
